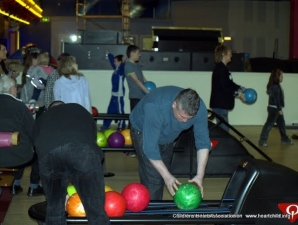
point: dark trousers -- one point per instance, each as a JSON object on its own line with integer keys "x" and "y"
{"x": 133, "y": 103}
{"x": 273, "y": 116}
{"x": 34, "y": 175}
{"x": 116, "y": 106}
{"x": 36, "y": 91}
{"x": 149, "y": 176}
{"x": 82, "y": 164}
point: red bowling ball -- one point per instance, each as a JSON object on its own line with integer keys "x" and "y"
{"x": 94, "y": 111}
{"x": 116, "y": 140}
{"x": 137, "y": 197}
{"x": 115, "y": 204}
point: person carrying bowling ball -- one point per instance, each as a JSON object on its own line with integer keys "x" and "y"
{"x": 275, "y": 105}
{"x": 223, "y": 89}
{"x": 156, "y": 121}
{"x": 65, "y": 142}
{"x": 134, "y": 76}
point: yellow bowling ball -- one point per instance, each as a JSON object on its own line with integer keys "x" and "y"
{"x": 107, "y": 188}
{"x": 127, "y": 137}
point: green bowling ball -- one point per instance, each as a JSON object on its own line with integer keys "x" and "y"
{"x": 188, "y": 196}
{"x": 71, "y": 190}
{"x": 101, "y": 140}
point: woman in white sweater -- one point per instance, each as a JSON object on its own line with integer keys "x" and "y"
{"x": 72, "y": 86}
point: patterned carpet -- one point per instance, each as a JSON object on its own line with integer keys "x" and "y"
{"x": 5, "y": 200}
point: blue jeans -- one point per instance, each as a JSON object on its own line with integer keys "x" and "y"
{"x": 224, "y": 114}
{"x": 82, "y": 165}
{"x": 34, "y": 175}
{"x": 149, "y": 176}
{"x": 273, "y": 116}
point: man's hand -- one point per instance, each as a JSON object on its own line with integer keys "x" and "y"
{"x": 171, "y": 183}
{"x": 199, "y": 182}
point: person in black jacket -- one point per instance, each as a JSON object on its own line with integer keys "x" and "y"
{"x": 15, "y": 117}
{"x": 275, "y": 105}
{"x": 223, "y": 88}
{"x": 65, "y": 143}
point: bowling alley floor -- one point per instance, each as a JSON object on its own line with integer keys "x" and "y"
{"x": 125, "y": 170}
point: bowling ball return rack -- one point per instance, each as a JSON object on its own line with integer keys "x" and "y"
{"x": 222, "y": 159}
{"x": 257, "y": 187}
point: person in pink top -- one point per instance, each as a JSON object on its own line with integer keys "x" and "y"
{"x": 39, "y": 74}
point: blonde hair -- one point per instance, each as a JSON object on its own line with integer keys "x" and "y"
{"x": 66, "y": 67}
{"x": 44, "y": 59}
{"x": 6, "y": 83}
{"x": 219, "y": 51}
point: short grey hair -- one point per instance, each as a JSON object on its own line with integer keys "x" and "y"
{"x": 6, "y": 83}
{"x": 189, "y": 101}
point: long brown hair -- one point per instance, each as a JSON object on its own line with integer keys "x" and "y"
{"x": 27, "y": 64}
{"x": 274, "y": 77}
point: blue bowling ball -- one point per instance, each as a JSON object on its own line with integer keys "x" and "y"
{"x": 250, "y": 96}
{"x": 150, "y": 85}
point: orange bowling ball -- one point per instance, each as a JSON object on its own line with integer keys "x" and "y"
{"x": 74, "y": 206}
{"x": 127, "y": 137}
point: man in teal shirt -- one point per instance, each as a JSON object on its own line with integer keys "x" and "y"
{"x": 156, "y": 121}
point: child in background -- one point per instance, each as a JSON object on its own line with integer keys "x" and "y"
{"x": 116, "y": 105}
{"x": 72, "y": 86}
{"x": 39, "y": 75}
{"x": 275, "y": 113}
{"x": 134, "y": 76}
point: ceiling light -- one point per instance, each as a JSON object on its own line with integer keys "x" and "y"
{"x": 31, "y": 6}
{"x": 13, "y": 17}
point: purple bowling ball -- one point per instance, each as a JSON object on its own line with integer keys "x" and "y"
{"x": 116, "y": 140}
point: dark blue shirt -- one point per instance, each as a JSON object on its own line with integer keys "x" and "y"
{"x": 154, "y": 117}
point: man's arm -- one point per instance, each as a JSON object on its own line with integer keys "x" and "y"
{"x": 202, "y": 159}
{"x": 138, "y": 82}
{"x": 145, "y": 80}
{"x": 202, "y": 143}
{"x": 170, "y": 181}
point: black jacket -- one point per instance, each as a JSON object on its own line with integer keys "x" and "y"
{"x": 276, "y": 96}
{"x": 223, "y": 88}
{"x": 63, "y": 124}
{"x": 15, "y": 116}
